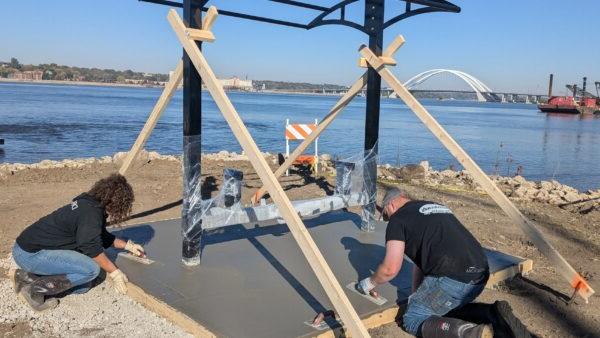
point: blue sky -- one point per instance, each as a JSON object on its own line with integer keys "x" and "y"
{"x": 508, "y": 44}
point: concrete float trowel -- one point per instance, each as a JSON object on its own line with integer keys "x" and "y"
{"x": 373, "y": 296}
{"x": 139, "y": 259}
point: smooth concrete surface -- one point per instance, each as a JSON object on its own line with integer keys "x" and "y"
{"x": 253, "y": 281}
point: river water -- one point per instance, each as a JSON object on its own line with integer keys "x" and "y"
{"x": 58, "y": 121}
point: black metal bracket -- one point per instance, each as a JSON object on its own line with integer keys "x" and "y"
{"x": 427, "y": 6}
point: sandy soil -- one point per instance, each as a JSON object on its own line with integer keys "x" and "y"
{"x": 538, "y": 299}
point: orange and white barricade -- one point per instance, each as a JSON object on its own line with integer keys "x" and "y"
{"x": 298, "y": 132}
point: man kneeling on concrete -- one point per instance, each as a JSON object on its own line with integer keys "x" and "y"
{"x": 65, "y": 250}
{"x": 450, "y": 266}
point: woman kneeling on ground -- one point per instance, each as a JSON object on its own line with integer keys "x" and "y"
{"x": 65, "y": 250}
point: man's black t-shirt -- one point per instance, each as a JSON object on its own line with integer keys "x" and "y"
{"x": 79, "y": 226}
{"x": 437, "y": 242}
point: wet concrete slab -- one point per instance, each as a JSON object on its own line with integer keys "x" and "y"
{"x": 253, "y": 280}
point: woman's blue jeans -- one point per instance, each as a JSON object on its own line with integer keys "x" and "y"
{"x": 79, "y": 269}
{"x": 436, "y": 296}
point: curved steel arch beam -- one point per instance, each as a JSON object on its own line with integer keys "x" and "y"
{"x": 319, "y": 20}
{"x": 476, "y": 80}
{"x": 478, "y": 86}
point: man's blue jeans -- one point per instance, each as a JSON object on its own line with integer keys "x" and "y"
{"x": 436, "y": 296}
{"x": 80, "y": 269}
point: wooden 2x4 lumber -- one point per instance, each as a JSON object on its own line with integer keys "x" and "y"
{"x": 386, "y": 60}
{"x": 307, "y": 245}
{"x": 166, "y": 311}
{"x": 326, "y": 121}
{"x": 393, "y": 47}
{"x": 209, "y": 19}
{"x": 200, "y": 34}
{"x": 563, "y": 267}
{"x": 159, "y": 108}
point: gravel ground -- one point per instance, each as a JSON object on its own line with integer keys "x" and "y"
{"x": 99, "y": 313}
{"x": 538, "y": 299}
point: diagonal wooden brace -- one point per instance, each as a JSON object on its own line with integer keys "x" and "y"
{"x": 307, "y": 245}
{"x": 387, "y": 56}
{"x": 564, "y": 268}
{"x": 159, "y": 107}
{"x": 205, "y": 33}
{"x": 326, "y": 121}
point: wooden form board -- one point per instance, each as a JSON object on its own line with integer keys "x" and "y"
{"x": 159, "y": 108}
{"x": 166, "y": 311}
{"x": 523, "y": 268}
{"x": 354, "y": 90}
{"x": 564, "y": 268}
{"x": 307, "y": 245}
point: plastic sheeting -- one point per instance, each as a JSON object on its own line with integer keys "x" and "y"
{"x": 358, "y": 175}
{"x": 195, "y": 208}
{"x": 191, "y": 210}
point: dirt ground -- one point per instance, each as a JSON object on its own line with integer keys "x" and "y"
{"x": 539, "y": 299}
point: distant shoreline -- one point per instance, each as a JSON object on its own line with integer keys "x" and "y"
{"x": 130, "y": 85}
{"x": 79, "y": 83}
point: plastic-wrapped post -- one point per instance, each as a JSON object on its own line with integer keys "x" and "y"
{"x": 191, "y": 212}
{"x": 232, "y": 186}
{"x": 358, "y": 175}
{"x": 192, "y": 130}
{"x": 343, "y": 173}
{"x": 369, "y": 173}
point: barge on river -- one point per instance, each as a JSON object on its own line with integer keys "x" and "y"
{"x": 581, "y": 102}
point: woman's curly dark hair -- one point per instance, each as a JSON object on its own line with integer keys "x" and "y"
{"x": 115, "y": 196}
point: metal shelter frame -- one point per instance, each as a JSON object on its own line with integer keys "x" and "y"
{"x": 374, "y": 26}
{"x": 376, "y": 62}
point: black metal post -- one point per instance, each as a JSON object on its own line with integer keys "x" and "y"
{"x": 192, "y": 130}
{"x": 374, "y": 16}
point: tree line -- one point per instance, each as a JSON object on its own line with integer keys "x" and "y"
{"x": 54, "y": 71}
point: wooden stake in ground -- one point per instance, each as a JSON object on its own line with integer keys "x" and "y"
{"x": 159, "y": 107}
{"x": 563, "y": 267}
{"x": 308, "y": 247}
{"x": 333, "y": 113}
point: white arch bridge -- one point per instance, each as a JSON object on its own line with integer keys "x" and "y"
{"x": 484, "y": 93}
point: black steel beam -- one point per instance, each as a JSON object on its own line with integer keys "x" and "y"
{"x": 301, "y": 4}
{"x": 438, "y": 4}
{"x": 374, "y": 19}
{"x": 235, "y": 14}
{"x": 192, "y": 130}
{"x": 430, "y": 6}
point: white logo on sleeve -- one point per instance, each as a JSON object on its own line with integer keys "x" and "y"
{"x": 74, "y": 205}
{"x": 429, "y": 209}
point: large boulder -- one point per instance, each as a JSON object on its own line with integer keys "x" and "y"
{"x": 425, "y": 165}
{"x": 545, "y": 185}
{"x": 571, "y": 196}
